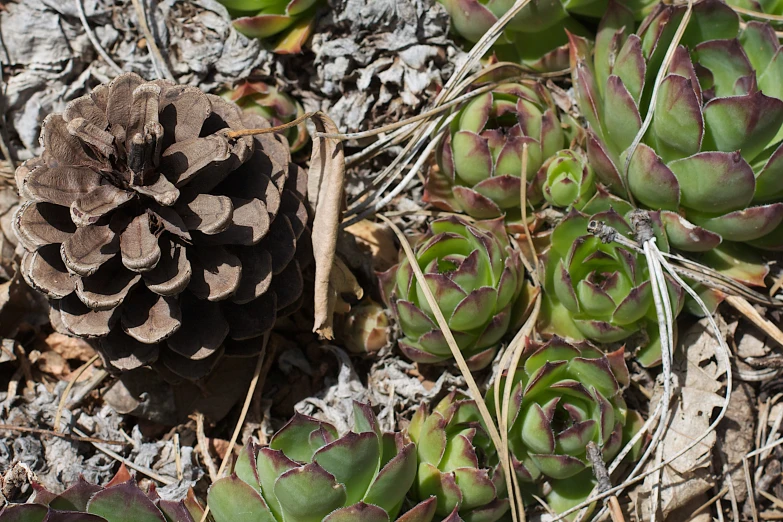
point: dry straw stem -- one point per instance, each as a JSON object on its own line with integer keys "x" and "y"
{"x": 93, "y": 40}
{"x": 463, "y": 366}
{"x": 119, "y": 458}
{"x": 64, "y": 436}
{"x": 68, "y": 388}
{"x": 746, "y": 309}
{"x": 420, "y": 127}
{"x": 158, "y": 63}
{"x": 513, "y": 353}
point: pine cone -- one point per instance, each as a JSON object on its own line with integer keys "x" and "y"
{"x": 153, "y": 232}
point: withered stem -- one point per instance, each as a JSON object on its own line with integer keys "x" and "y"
{"x": 254, "y": 132}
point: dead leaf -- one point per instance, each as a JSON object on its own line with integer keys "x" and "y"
{"x": 325, "y": 191}
{"x": 378, "y": 240}
{"x": 52, "y": 363}
{"x": 698, "y": 374}
{"x": 70, "y": 347}
{"x": 343, "y": 283}
{"x": 736, "y": 440}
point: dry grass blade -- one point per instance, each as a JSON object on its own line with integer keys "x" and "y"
{"x": 158, "y": 63}
{"x": 463, "y": 366}
{"x": 766, "y": 326}
{"x": 67, "y": 390}
{"x": 325, "y": 191}
{"x": 93, "y": 40}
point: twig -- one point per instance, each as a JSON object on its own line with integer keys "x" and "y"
{"x": 203, "y": 446}
{"x": 254, "y": 132}
{"x": 158, "y": 63}
{"x": 93, "y": 40}
{"x": 141, "y": 469}
{"x": 64, "y": 396}
{"x": 4, "y": 142}
{"x": 710, "y": 502}
{"x": 604, "y": 483}
{"x": 89, "y": 386}
{"x": 243, "y": 414}
{"x": 65, "y": 436}
{"x": 775, "y": 500}
{"x": 766, "y": 326}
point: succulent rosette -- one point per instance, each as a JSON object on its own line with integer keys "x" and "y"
{"x": 155, "y": 234}
{"x": 120, "y": 500}
{"x": 536, "y": 36}
{"x": 601, "y": 291}
{"x": 757, "y": 9}
{"x": 477, "y": 279}
{"x": 273, "y": 105}
{"x": 565, "y": 396}
{"x": 566, "y": 179}
{"x": 480, "y": 156}
{"x": 712, "y": 159}
{"x": 453, "y": 452}
{"x": 308, "y": 473}
{"x": 290, "y": 21}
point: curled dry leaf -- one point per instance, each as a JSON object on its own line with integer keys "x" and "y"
{"x": 327, "y": 175}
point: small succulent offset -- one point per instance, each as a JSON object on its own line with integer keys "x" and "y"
{"x": 454, "y": 449}
{"x": 600, "y": 291}
{"x": 309, "y": 474}
{"x": 290, "y": 21}
{"x": 536, "y": 35}
{"x": 480, "y": 156}
{"x": 120, "y": 500}
{"x": 566, "y": 180}
{"x": 268, "y": 102}
{"x": 477, "y": 278}
{"x": 366, "y": 329}
{"x": 155, "y": 233}
{"x": 564, "y": 397}
{"x": 712, "y": 158}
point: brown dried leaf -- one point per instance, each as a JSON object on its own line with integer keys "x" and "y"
{"x": 70, "y": 347}
{"x": 325, "y": 189}
{"x": 378, "y": 240}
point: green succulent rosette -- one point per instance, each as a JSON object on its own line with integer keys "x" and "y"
{"x": 118, "y": 501}
{"x": 566, "y": 180}
{"x": 290, "y": 22}
{"x": 480, "y": 157}
{"x": 711, "y": 160}
{"x": 565, "y": 396}
{"x": 277, "y": 107}
{"x": 536, "y": 36}
{"x": 601, "y": 291}
{"x": 764, "y": 10}
{"x": 453, "y": 453}
{"x": 310, "y": 474}
{"x": 477, "y": 278}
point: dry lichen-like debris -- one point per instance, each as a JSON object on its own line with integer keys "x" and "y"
{"x": 154, "y": 232}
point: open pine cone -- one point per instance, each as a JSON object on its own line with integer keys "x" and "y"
{"x": 155, "y": 233}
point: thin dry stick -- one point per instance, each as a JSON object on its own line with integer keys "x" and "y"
{"x": 65, "y": 436}
{"x": 711, "y": 501}
{"x": 67, "y": 391}
{"x": 243, "y": 414}
{"x": 158, "y": 63}
{"x": 517, "y": 346}
{"x": 463, "y": 366}
{"x": 177, "y": 457}
{"x": 93, "y": 40}
{"x": 746, "y": 309}
{"x": 254, "y": 132}
{"x": 203, "y": 446}
{"x": 141, "y": 469}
